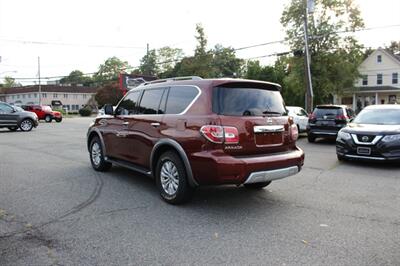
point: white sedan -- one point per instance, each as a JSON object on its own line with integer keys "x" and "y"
{"x": 300, "y": 117}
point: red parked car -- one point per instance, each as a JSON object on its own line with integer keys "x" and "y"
{"x": 188, "y": 132}
{"x": 44, "y": 112}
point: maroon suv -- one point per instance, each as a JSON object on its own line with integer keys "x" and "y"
{"x": 188, "y": 132}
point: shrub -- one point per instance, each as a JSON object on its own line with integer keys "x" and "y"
{"x": 85, "y": 111}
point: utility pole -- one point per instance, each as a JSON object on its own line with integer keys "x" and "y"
{"x": 40, "y": 86}
{"x": 310, "y": 92}
{"x": 148, "y": 50}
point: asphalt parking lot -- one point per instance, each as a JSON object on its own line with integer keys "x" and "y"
{"x": 55, "y": 210}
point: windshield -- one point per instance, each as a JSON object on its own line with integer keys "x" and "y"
{"x": 46, "y": 108}
{"x": 379, "y": 117}
{"x": 329, "y": 112}
{"x": 248, "y": 102}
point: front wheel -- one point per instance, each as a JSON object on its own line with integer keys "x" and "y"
{"x": 97, "y": 156}
{"x": 171, "y": 179}
{"x": 58, "y": 120}
{"x": 26, "y": 125}
{"x": 311, "y": 138}
{"x": 257, "y": 185}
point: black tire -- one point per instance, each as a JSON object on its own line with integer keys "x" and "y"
{"x": 341, "y": 157}
{"x": 99, "y": 165}
{"x": 183, "y": 191}
{"x": 48, "y": 118}
{"x": 311, "y": 138}
{"x": 257, "y": 185}
{"x": 26, "y": 125}
{"x": 58, "y": 120}
{"x": 13, "y": 128}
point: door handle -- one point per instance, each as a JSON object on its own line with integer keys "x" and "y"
{"x": 121, "y": 135}
{"x": 155, "y": 124}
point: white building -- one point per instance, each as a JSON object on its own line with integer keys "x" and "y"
{"x": 72, "y": 98}
{"x": 379, "y": 81}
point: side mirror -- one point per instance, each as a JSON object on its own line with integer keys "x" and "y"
{"x": 108, "y": 109}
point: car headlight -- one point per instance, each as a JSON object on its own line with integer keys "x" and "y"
{"x": 390, "y": 138}
{"x": 343, "y": 135}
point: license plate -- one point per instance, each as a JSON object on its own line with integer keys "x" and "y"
{"x": 364, "y": 151}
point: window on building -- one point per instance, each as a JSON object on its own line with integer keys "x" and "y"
{"x": 379, "y": 59}
{"x": 29, "y": 95}
{"x": 84, "y": 96}
{"x": 17, "y": 96}
{"x": 365, "y": 80}
{"x": 44, "y": 95}
{"x": 65, "y": 96}
{"x": 23, "y": 96}
{"x": 395, "y": 78}
{"x": 379, "y": 79}
{"x": 13, "y": 97}
{"x": 55, "y": 95}
{"x": 75, "y": 96}
{"x": 35, "y": 95}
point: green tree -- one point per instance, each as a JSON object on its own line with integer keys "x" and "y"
{"x": 148, "y": 64}
{"x": 109, "y": 70}
{"x": 334, "y": 57}
{"x": 10, "y": 82}
{"x": 225, "y": 63}
{"x": 167, "y": 58}
{"x": 201, "y": 63}
{"x": 394, "y": 47}
{"x": 76, "y": 77}
{"x": 109, "y": 94}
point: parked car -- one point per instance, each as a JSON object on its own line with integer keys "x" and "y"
{"x": 300, "y": 117}
{"x": 373, "y": 135}
{"x": 44, "y": 112}
{"x": 12, "y": 117}
{"x": 188, "y": 132}
{"x": 327, "y": 120}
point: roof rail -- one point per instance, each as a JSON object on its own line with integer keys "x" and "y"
{"x": 173, "y": 79}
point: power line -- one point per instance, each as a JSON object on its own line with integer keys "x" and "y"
{"x": 70, "y": 44}
{"x": 178, "y": 59}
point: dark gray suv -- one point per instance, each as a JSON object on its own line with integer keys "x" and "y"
{"x": 13, "y": 118}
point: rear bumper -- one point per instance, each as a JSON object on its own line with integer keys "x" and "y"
{"x": 270, "y": 175}
{"x": 213, "y": 168}
{"x": 323, "y": 132}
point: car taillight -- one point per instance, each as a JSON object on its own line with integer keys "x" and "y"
{"x": 220, "y": 134}
{"x": 231, "y": 135}
{"x": 294, "y": 132}
{"x": 341, "y": 117}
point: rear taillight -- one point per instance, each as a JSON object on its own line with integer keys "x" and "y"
{"x": 294, "y": 132}
{"x": 341, "y": 117}
{"x": 220, "y": 134}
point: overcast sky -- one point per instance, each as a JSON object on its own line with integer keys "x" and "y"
{"x": 70, "y": 34}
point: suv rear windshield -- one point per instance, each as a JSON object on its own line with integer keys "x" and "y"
{"x": 247, "y": 102}
{"x": 320, "y": 112}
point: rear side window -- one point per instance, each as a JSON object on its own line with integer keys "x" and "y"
{"x": 179, "y": 98}
{"x": 128, "y": 105}
{"x": 150, "y": 103}
{"x": 248, "y": 102}
{"x": 327, "y": 112}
